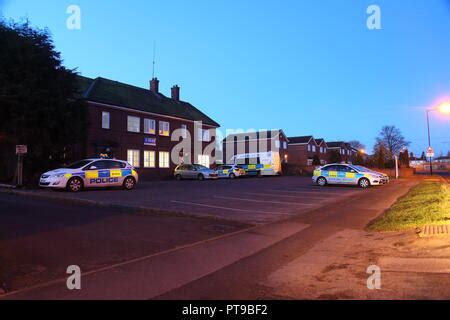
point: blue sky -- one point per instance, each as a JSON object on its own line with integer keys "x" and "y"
{"x": 308, "y": 67}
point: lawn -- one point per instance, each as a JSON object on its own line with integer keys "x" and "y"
{"x": 426, "y": 203}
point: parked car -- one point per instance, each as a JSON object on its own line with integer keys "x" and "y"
{"x": 194, "y": 171}
{"x": 348, "y": 174}
{"x": 90, "y": 173}
{"x": 230, "y": 171}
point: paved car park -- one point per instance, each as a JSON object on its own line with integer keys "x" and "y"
{"x": 249, "y": 200}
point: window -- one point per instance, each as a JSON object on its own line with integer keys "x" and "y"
{"x": 133, "y": 157}
{"x": 285, "y": 145}
{"x": 321, "y": 149}
{"x": 203, "y": 160}
{"x": 314, "y": 148}
{"x": 105, "y": 120}
{"x": 309, "y": 147}
{"x": 133, "y": 124}
{"x": 203, "y": 135}
{"x": 277, "y": 144}
{"x": 184, "y": 131}
{"x": 309, "y": 162}
{"x": 164, "y": 128}
{"x": 149, "y": 126}
{"x": 164, "y": 159}
{"x": 149, "y": 159}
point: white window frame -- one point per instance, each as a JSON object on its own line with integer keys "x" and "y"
{"x": 130, "y": 125}
{"x": 309, "y": 147}
{"x": 149, "y": 126}
{"x": 184, "y": 131}
{"x": 204, "y": 160}
{"x": 164, "y": 159}
{"x": 133, "y": 157}
{"x": 203, "y": 135}
{"x": 149, "y": 159}
{"x": 284, "y": 145}
{"x": 314, "y": 149}
{"x": 277, "y": 144}
{"x": 164, "y": 128}
{"x": 106, "y": 122}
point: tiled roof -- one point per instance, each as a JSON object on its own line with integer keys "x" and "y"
{"x": 303, "y": 139}
{"x": 119, "y": 94}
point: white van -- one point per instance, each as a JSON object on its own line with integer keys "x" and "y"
{"x": 260, "y": 163}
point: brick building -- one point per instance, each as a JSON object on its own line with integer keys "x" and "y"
{"x": 137, "y": 124}
{"x": 302, "y": 150}
{"x": 341, "y": 150}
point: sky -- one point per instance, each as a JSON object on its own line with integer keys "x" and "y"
{"x": 308, "y": 67}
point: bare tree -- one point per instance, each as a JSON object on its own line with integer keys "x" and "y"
{"x": 393, "y": 140}
{"x": 357, "y": 145}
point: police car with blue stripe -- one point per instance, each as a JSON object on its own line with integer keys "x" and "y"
{"x": 348, "y": 174}
{"x": 91, "y": 173}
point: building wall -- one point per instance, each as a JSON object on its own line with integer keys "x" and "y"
{"x": 119, "y": 139}
{"x": 299, "y": 154}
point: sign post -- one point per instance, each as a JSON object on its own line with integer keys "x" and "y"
{"x": 430, "y": 155}
{"x": 396, "y": 167}
{"x": 20, "y": 151}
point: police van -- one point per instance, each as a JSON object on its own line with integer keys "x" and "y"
{"x": 91, "y": 173}
{"x": 259, "y": 163}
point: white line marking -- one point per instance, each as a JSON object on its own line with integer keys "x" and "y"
{"x": 313, "y": 192}
{"x": 283, "y": 195}
{"x": 263, "y": 201}
{"x": 228, "y": 208}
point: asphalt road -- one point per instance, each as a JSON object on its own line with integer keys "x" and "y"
{"x": 248, "y": 200}
{"x": 39, "y": 238}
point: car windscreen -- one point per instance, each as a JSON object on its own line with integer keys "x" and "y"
{"x": 78, "y": 164}
{"x": 361, "y": 168}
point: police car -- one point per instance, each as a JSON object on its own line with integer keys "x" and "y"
{"x": 348, "y": 174}
{"x": 230, "y": 171}
{"x": 91, "y": 173}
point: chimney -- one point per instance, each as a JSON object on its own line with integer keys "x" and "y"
{"x": 176, "y": 93}
{"x": 154, "y": 85}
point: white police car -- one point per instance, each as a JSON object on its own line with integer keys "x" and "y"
{"x": 348, "y": 174}
{"x": 230, "y": 171}
{"x": 91, "y": 173}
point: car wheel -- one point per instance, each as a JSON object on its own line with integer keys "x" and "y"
{"x": 75, "y": 185}
{"x": 232, "y": 176}
{"x": 321, "y": 181}
{"x": 178, "y": 177}
{"x": 364, "y": 183}
{"x": 201, "y": 177}
{"x": 129, "y": 183}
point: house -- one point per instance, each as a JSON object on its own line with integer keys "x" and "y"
{"x": 339, "y": 151}
{"x": 302, "y": 150}
{"x": 144, "y": 126}
{"x": 255, "y": 142}
{"x": 322, "y": 151}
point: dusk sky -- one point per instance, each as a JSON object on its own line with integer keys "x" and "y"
{"x": 307, "y": 67}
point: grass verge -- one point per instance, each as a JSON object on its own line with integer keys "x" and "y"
{"x": 426, "y": 203}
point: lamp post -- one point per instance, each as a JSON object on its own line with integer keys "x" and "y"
{"x": 443, "y": 108}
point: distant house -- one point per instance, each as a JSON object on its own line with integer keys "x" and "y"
{"x": 136, "y": 124}
{"x": 343, "y": 149}
{"x": 302, "y": 150}
{"x": 255, "y": 142}
{"x": 443, "y": 159}
{"x": 322, "y": 151}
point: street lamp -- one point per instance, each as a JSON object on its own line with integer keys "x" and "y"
{"x": 443, "y": 108}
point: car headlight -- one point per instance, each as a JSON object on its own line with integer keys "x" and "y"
{"x": 60, "y": 175}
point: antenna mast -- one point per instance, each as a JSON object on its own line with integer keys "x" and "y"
{"x": 154, "y": 57}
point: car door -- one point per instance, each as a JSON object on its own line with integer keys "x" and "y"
{"x": 331, "y": 173}
{"x": 350, "y": 175}
{"x": 92, "y": 174}
{"x": 115, "y": 173}
{"x": 188, "y": 171}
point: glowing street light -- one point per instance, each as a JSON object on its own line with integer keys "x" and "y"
{"x": 444, "y": 107}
